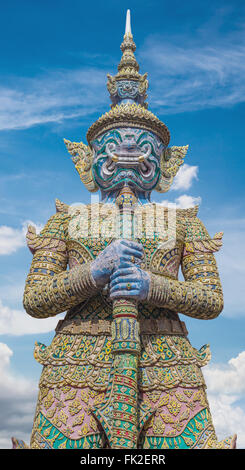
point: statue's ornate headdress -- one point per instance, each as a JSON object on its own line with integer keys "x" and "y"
{"x": 128, "y": 109}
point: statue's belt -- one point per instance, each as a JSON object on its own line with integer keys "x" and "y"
{"x": 159, "y": 326}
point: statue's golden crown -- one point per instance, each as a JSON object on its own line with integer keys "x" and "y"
{"x": 129, "y": 115}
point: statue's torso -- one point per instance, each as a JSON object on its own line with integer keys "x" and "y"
{"x": 81, "y": 348}
{"x": 161, "y": 256}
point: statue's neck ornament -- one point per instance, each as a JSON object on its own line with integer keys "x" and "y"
{"x": 127, "y": 145}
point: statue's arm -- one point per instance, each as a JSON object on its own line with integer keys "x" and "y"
{"x": 51, "y": 288}
{"x": 200, "y": 294}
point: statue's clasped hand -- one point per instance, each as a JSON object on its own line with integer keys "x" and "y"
{"x": 119, "y": 265}
{"x": 131, "y": 282}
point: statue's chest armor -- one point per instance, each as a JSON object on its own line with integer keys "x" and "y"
{"x": 88, "y": 236}
{"x": 162, "y": 239}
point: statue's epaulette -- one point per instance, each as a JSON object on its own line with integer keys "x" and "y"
{"x": 197, "y": 238}
{"x": 209, "y": 245}
{"x": 61, "y": 206}
{"x": 54, "y": 233}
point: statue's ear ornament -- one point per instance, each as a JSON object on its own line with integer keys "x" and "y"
{"x": 143, "y": 84}
{"x": 111, "y": 85}
{"x": 171, "y": 160}
{"x": 82, "y": 157}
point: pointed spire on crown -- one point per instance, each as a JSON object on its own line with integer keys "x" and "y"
{"x": 128, "y": 66}
{"x": 128, "y": 23}
{"x": 128, "y": 94}
{"x": 128, "y": 85}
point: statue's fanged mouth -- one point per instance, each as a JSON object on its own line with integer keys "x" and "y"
{"x": 126, "y": 157}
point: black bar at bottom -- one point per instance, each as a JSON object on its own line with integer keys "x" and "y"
{"x": 110, "y": 458}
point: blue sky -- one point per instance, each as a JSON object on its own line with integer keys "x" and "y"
{"x": 54, "y": 59}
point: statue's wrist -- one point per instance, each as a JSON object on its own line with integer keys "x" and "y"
{"x": 146, "y": 282}
{"x": 99, "y": 274}
{"x": 82, "y": 280}
{"x": 158, "y": 290}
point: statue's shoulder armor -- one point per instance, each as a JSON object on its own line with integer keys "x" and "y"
{"x": 54, "y": 233}
{"x": 189, "y": 213}
{"x": 197, "y": 237}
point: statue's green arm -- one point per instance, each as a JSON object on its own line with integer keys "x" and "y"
{"x": 50, "y": 288}
{"x": 200, "y": 294}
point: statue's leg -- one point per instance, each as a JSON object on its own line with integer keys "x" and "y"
{"x": 181, "y": 420}
{"x": 63, "y": 419}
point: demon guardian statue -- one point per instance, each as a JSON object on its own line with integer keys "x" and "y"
{"x": 120, "y": 371}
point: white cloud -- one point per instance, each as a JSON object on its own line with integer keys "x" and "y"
{"x": 228, "y": 418}
{"x": 189, "y": 73}
{"x": 226, "y": 390}
{"x": 184, "y": 201}
{"x": 11, "y": 239}
{"x": 229, "y": 378}
{"x": 185, "y": 176}
{"x": 17, "y": 322}
{"x": 31, "y": 101}
{"x": 225, "y": 386}
{"x": 18, "y": 397}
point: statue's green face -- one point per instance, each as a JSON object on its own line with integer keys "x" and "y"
{"x": 127, "y": 156}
